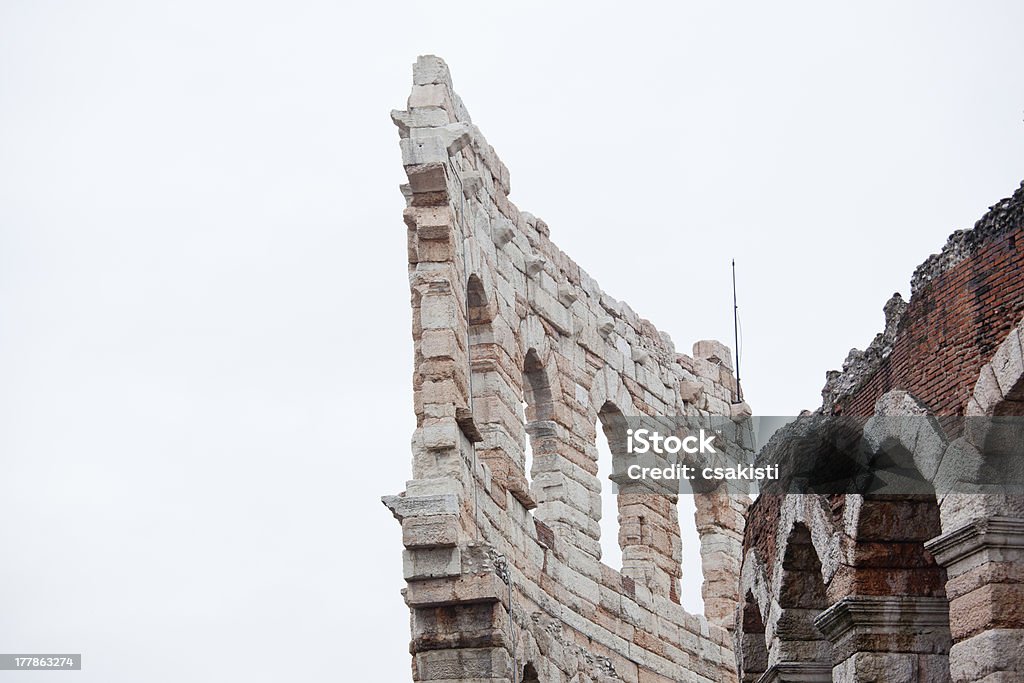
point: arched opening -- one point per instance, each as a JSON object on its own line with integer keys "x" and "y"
{"x": 801, "y": 599}
{"x": 1003, "y": 445}
{"x": 894, "y": 591}
{"x": 691, "y": 593}
{"x": 610, "y": 422}
{"x": 753, "y": 654}
{"x": 477, "y": 309}
{"x": 538, "y": 409}
{"x": 1013, "y": 401}
{"x": 529, "y": 675}
{"x": 898, "y": 513}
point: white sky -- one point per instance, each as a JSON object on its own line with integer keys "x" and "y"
{"x": 204, "y": 328}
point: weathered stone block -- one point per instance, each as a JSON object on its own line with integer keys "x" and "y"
{"x": 436, "y": 531}
{"x": 429, "y": 563}
{"x": 463, "y": 663}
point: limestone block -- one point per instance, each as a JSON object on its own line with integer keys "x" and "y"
{"x": 987, "y": 653}
{"x": 881, "y": 666}
{"x": 739, "y": 411}
{"x": 567, "y": 294}
{"x": 435, "y": 531}
{"x": 436, "y": 486}
{"x": 472, "y": 184}
{"x": 430, "y": 69}
{"x": 419, "y": 118}
{"x": 987, "y": 395}
{"x": 403, "y": 507}
{"x": 713, "y": 351}
{"x": 690, "y": 391}
{"x": 430, "y": 95}
{"x": 440, "y": 436}
{"x": 424, "y": 150}
{"x": 439, "y": 312}
{"x": 552, "y": 311}
{"x": 933, "y": 668}
{"x": 534, "y": 264}
{"x": 999, "y": 605}
{"x": 427, "y": 178}
{"x": 1008, "y": 363}
{"x": 452, "y": 136}
{"x": 428, "y": 563}
{"x": 459, "y": 626}
{"x": 463, "y": 664}
{"x": 467, "y": 588}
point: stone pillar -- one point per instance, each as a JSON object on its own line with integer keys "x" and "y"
{"x": 650, "y": 541}
{"x": 457, "y": 598}
{"x": 902, "y": 639}
{"x": 984, "y": 563}
{"x": 720, "y": 520}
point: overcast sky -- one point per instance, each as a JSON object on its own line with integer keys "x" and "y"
{"x": 205, "y": 350}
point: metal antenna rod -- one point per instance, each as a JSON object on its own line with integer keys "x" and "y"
{"x": 736, "y": 333}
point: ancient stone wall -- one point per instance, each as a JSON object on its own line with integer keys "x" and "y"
{"x": 503, "y": 565}
{"x": 927, "y": 587}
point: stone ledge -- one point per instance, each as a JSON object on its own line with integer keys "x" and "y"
{"x": 1004, "y": 533}
{"x": 797, "y": 672}
{"x": 465, "y": 589}
{"x": 882, "y": 615}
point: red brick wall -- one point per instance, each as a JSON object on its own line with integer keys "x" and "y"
{"x": 951, "y": 328}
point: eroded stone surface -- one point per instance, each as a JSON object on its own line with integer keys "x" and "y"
{"x": 515, "y": 344}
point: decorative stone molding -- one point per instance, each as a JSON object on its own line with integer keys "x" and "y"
{"x": 870, "y": 614}
{"x": 797, "y": 672}
{"x": 993, "y": 536}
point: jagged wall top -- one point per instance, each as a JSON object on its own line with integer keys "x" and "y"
{"x": 1001, "y": 219}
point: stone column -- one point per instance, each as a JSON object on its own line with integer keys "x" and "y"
{"x": 720, "y": 523}
{"x": 984, "y": 563}
{"x": 900, "y": 639}
{"x": 457, "y": 595}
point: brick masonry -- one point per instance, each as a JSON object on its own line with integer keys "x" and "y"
{"x": 922, "y": 588}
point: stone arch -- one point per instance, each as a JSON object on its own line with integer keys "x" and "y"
{"x": 816, "y": 515}
{"x": 538, "y": 414}
{"x": 1000, "y": 386}
{"x": 889, "y": 591}
{"x": 983, "y": 520}
{"x": 537, "y": 389}
{"x": 607, "y": 387}
{"x": 752, "y": 656}
{"x": 480, "y": 308}
{"x": 495, "y": 422}
{"x": 533, "y": 335}
{"x": 802, "y": 598}
{"x": 903, "y": 425}
{"x": 648, "y": 522}
{"x": 529, "y": 674}
{"x": 885, "y": 534}
{"x": 609, "y": 424}
{"x": 889, "y": 587}
{"x": 985, "y": 472}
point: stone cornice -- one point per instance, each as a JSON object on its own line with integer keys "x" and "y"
{"x": 881, "y": 614}
{"x": 981, "y": 534}
{"x": 797, "y": 672}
